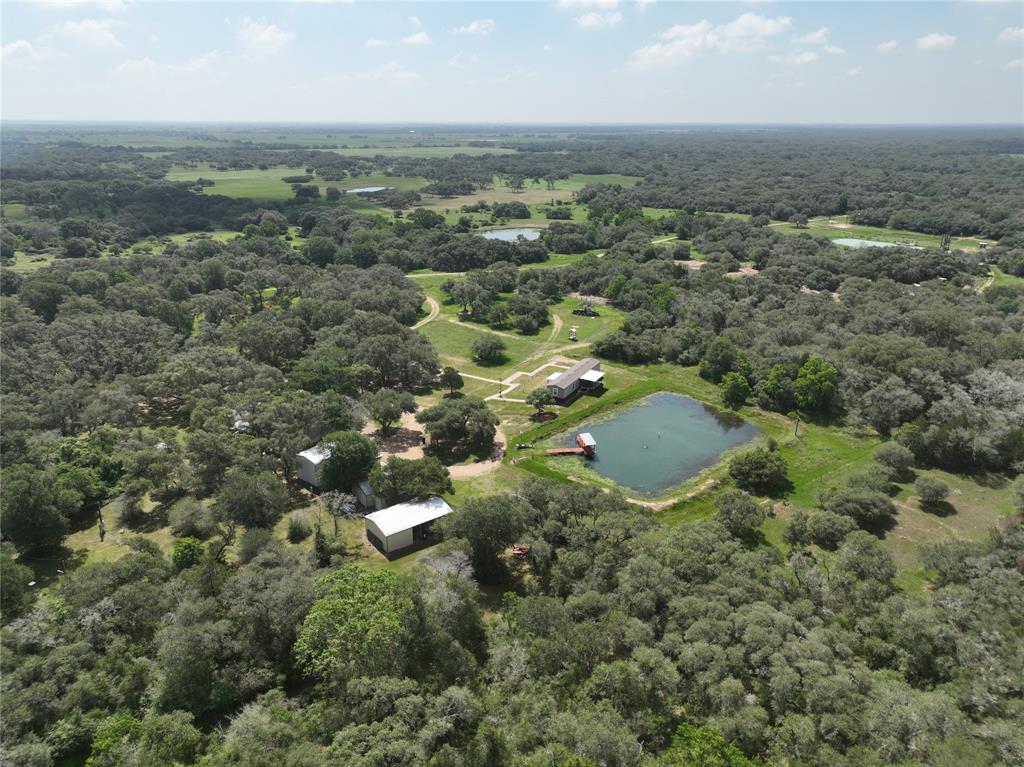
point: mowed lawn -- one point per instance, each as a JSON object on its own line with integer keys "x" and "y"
{"x": 453, "y": 341}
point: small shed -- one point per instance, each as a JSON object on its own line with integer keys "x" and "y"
{"x": 307, "y": 464}
{"x": 365, "y": 495}
{"x": 404, "y": 525}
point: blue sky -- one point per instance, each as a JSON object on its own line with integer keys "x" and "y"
{"x": 558, "y": 61}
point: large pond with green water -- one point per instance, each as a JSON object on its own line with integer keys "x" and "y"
{"x": 661, "y": 441}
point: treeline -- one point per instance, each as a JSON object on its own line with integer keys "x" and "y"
{"x": 635, "y": 645}
{"x": 918, "y": 352}
{"x": 169, "y": 374}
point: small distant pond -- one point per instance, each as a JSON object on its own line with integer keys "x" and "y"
{"x": 511, "y": 235}
{"x": 851, "y": 242}
{"x": 367, "y": 190}
{"x": 661, "y": 441}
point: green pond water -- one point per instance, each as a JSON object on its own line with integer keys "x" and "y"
{"x": 661, "y": 441}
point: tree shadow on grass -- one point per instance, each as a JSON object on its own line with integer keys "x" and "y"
{"x": 497, "y": 362}
{"x": 938, "y": 508}
{"x": 452, "y": 454}
{"x": 453, "y": 395}
{"x": 990, "y": 480}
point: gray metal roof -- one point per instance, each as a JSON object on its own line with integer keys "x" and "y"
{"x": 573, "y": 373}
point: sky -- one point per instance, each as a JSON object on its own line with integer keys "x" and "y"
{"x": 561, "y": 61}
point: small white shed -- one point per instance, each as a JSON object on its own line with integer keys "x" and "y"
{"x": 405, "y": 524}
{"x": 307, "y": 464}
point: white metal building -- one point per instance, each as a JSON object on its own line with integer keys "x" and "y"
{"x": 405, "y": 524}
{"x": 307, "y": 464}
{"x": 585, "y": 374}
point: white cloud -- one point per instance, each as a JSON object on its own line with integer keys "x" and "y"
{"x": 795, "y": 58}
{"x": 548, "y": 48}
{"x": 597, "y": 20}
{"x": 23, "y": 52}
{"x": 1014, "y": 64}
{"x": 392, "y": 72}
{"x": 641, "y": 5}
{"x": 476, "y": 27}
{"x": 516, "y": 74}
{"x": 887, "y": 46}
{"x": 459, "y": 60}
{"x": 200, "y": 63}
{"x": 262, "y": 38}
{"x": 375, "y": 42}
{"x": 1012, "y": 35}
{"x": 95, "y": 33}
{"x": 834, "y": 50}
{"x": 136, "y": 67}
{"x": 146, "y": 67}
{"x": 415, "y": 21}
{"x": 419, "y": 38}
{"x": 747, "y": 33}
{"x": 818, "y": 37}
{"x": 106, "y": 6}
{"x": 935, "y": 41}
{"x": 856, "y": 71}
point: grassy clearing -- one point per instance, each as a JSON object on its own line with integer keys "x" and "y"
{"x": 453, "y": 341}
{"x": 14, "y": 211}
{"x": 26, "y": 263}
{"x": 1002, "y": 279}
{"x": 251, "y": 183}
{"x": 840, "y": 227}
{"x": 256, "y": 184}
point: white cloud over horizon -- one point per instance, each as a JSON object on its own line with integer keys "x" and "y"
{"x": 94, "y": 33}
{"x": 748, "y": 33}
{"x": 476, "y": 27}
{"x": 597, "y": 20}
{"x": 262, "y": 38}
{"x": 935, "y": 41}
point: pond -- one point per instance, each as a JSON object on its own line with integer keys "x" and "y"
{"x": 367, "y": 190}
{"x": 511, "y": 235}
{"x": 661, "y": 441}
{"x": 851, "y": 242}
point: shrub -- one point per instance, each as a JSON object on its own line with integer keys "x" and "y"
{"x": 895, "y": 456}
{"x": 189, "y": 518}
{"x": 738, "y": 512}
{"x": 827, "y": 529}
{"x": 187, "y": 552}
{"x": 252, "y": 542}
{"x": 299, "y": 529}
{"x": 864, "y": 505}
{"x": 797, "y": 532}
{"x": 759, "y": 470}
{"x": 931, "y": 491}
{"x": 734, "y": 390}
{"x": 488, "y": 350}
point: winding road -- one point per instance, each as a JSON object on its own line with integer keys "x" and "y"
{"x": 435, "y": 309}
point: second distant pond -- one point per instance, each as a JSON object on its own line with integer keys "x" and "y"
{"x": 661, "y": 441}
{"x": 511, "y": 235}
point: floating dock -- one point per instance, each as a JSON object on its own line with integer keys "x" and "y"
{"x": 586, "y": 445}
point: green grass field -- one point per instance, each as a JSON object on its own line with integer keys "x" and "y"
{"x": 821, "y": 227}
